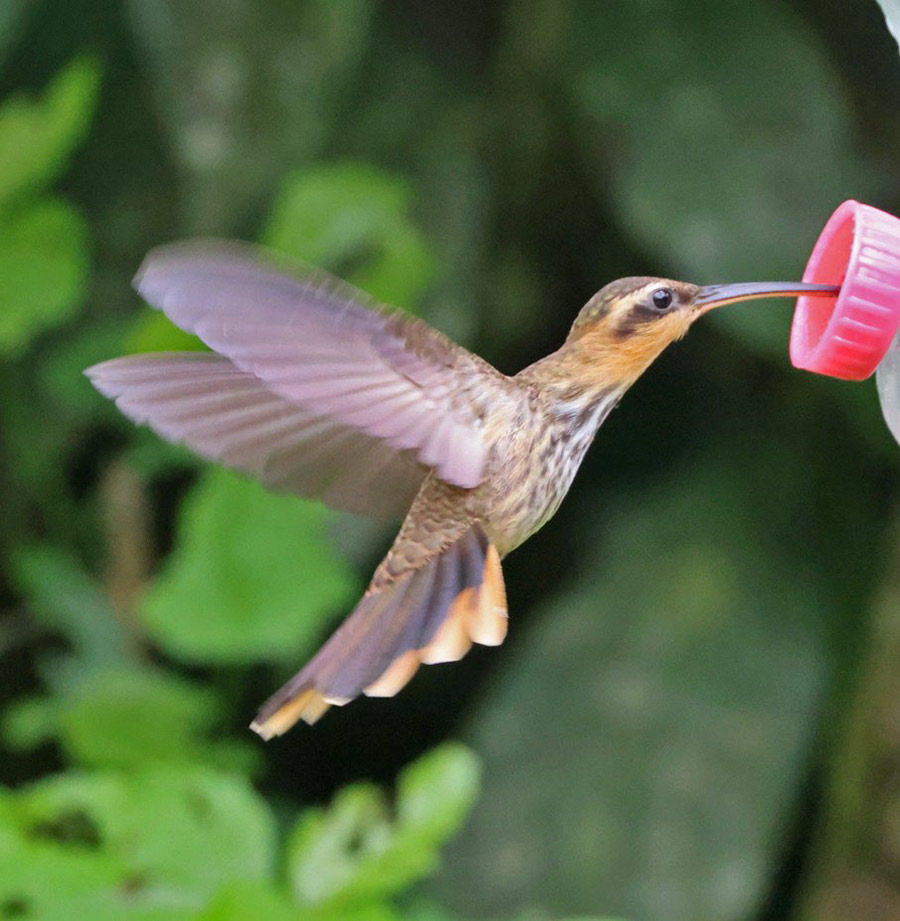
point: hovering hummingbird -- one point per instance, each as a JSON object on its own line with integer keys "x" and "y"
{"x": 316, "y": 389}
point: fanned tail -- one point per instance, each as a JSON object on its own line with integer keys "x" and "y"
{"x": 432, "y": 614}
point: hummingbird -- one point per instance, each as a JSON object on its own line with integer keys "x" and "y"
{"x": 315, "y": 388}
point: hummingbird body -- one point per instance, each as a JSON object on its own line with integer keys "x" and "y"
{"x": 536, "y": 447}
{"x": 315, "y": 390}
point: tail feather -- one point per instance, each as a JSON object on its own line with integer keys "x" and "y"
{"x": 488, "y": 623}
{"x": 477, "y": 615}
{"x": 397, "y": 675}
{"x": 433, "y": 614}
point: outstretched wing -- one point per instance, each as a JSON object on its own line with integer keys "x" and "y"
{"x": 230, "y": 416}
{"x": 320, "y": 345}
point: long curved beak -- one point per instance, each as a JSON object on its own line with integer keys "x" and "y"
{"x": 719, "y": 295}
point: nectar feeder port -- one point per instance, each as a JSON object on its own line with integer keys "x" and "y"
{"x": 847, "y": 337}
{"x": 855, "y": 334}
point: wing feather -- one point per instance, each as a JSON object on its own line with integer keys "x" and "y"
{"x": 315, "y": 342}
{"x": 228, "y": 415}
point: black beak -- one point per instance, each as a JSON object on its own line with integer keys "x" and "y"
{"x": 719, "y": 295}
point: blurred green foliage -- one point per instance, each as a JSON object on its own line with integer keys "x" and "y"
{"x": 355, "y": 220}
{"x": 172, "y": 841}
{"x": 232, "y": 594}
{"x": 43, "y": 240}
{"x": 686, "y": 634}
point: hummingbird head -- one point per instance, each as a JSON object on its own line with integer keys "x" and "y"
{"x": 628, "y": 323}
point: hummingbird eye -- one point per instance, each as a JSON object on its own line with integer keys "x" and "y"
{"x": 662, "y": 298}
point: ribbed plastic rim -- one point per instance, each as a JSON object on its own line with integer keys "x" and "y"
{"x": 859, "y": 249}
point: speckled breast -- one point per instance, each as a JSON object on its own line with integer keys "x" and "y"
{"x": 532, "y": 467}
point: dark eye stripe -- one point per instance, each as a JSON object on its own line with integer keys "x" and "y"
{"x": 645, "y": 311}
{"x": 639, "y": 316}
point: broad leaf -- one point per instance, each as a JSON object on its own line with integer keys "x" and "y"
{"x": 354, "y": 852}
{"x": 156, "y": 844}
{"x": 354, "y": 220}
{"x": 131, "y": 717}
{"x": 37, "y": 135}
{"x": 251, "y": 901}
{"x": 43, "y": 270}
{"x": 253, "y": 576}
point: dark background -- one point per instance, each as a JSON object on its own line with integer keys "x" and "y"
{"x": 695, "y": 713}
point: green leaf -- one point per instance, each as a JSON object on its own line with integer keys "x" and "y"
{"x": 251, "y": 901}
{"x": 30, "y": 722}
{"x": 47, "y": 883}
{"x": 61, "y": 369}
{"x": 329, "y": 848}
{"x": 428, "y": 911}
{"x": 151, "y": 457}
{"x": 161, "y": 837}
{"x": 252, "y": 577}
{"x": 353, "y": 220}
{"x": 129, "y": 717}
{"x": 256, "y": 900}
{"x": 38, "y": 135}
{"x": 436, "y": 793}
{"x": 43, "y": 270}
{"x": 353, "y": 854}
{"x": 153, "y": 331}
{"x": 369, "y": 911}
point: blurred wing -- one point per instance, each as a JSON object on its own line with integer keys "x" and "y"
{"x": 230, "y": 416}
{"x": 315, "y": 342}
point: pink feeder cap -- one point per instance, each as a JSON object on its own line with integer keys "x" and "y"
{"x": 847, "y": 337}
